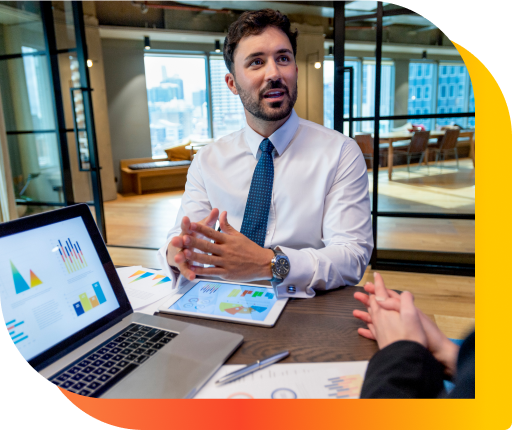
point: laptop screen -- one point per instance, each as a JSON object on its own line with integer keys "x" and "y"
{"x": 52, "y": 285}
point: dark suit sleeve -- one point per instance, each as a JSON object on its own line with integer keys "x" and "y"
{"x": 403, "y": 370}
{"x": 465, "y": 379}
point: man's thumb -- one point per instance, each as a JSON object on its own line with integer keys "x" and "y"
{"x": 224, "y": 224}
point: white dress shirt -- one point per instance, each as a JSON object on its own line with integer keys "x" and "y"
{"x": 320, "y": 210}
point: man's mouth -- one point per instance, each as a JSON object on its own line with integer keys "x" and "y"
{"x": 274, "y": 94}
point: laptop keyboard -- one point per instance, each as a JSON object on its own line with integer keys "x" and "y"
{"x": 103, "y": 367}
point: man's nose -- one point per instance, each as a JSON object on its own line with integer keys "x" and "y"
{"x": 272, "y": 72}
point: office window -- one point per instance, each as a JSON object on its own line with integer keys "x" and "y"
{"x": 471, "y": 121}
{"x": 40, "y": 106}
{"x": 177, "y": 102}
{"x": 329, "y": 91}
{"x": 419, "y": 70}
{"x": 458, "y": 92}
{"x": 386, "y": 96}
{"x": 228, "y": 111}
{"x": 421, "y": 103}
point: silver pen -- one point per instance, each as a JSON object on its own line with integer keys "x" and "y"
{"x": 251, "y": 368}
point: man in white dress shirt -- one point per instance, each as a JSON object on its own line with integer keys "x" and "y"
{"x": 311, "y": 181}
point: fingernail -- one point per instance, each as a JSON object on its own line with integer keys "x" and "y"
{"x": 186, "y": 240}
{"x": 379, "y": 299}
{"x": 193, "y": 226}
{"x": 374, "y": 274}
{"x": 187, "y": 253}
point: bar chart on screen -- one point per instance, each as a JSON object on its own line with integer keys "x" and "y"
{"x": 87, "y": 302}
{"x": 70, "y": 255}
{"x": 16, "y": 329}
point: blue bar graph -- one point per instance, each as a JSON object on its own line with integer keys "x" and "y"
{"x": 23, "y": 338}
{"x": 99, "y": 293}
{"x": 10, "y": 328}
{"x": 78, "y": 309}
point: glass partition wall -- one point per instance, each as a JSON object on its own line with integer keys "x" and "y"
{"x": 47, "y": 103}
{"x": 423, "y": 199}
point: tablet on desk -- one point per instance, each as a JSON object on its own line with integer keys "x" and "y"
{"x": 227, "y": 301}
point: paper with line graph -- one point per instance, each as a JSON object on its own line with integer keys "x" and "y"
{"x": 144, "y": 286}
{"x": 341, "y": 380}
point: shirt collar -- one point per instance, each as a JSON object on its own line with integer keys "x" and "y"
{"x": 280, "y": 138}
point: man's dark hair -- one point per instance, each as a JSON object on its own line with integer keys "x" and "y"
{"x": 252, "y": 23}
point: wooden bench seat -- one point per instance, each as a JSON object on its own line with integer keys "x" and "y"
{"x": 148, "y": 180}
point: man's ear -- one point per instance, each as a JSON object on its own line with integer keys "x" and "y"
{"x": 230, "y": 82}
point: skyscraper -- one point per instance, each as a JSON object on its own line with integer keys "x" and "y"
{"x": 228, "y": 111}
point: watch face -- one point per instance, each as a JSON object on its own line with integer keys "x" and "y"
{"x": 282, "y": 266}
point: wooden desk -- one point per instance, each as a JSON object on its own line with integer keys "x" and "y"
{"x": 313, "y": 330}
{"x": 391, "y": 138}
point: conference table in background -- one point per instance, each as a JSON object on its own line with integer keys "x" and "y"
{"x": 313, "y": 330}
{"x": 393, "y": 137}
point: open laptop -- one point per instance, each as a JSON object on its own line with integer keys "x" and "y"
{"x": 68, "y": 314}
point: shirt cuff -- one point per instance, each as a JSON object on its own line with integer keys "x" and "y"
{"x": 172, "y": 272}
{"x": 296, "y": 284}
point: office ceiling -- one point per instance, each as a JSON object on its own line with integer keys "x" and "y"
{"x": 215, "y": 16}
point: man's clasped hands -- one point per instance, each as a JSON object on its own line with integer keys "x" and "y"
{"x": 390, "y": 316}
{"x": 233, "y": 255}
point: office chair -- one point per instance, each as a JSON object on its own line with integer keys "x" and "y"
{"x": 447, "y": 143}
{"x": 417, "y": 146}
{"x": 365, "y": 142}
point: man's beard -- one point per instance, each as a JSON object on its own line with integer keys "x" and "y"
{"x": 277, "y": 110}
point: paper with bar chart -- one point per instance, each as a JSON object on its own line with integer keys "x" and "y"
{"x": 228, "y": 300}
{"x": 342, "y": 380}
{"x": 52, "y": 284}
{"x": 144, "y": 286}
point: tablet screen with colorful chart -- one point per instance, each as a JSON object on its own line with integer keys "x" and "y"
{"x": 227, "y": 300}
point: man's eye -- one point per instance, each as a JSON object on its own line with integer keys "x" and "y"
{"x": 284, "y": 58}
{"x": 256, "y": 63}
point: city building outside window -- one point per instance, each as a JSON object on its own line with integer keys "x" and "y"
{"x": 457, "y": 97}
{"x": 329, "y": 92}
{"x": 421, "y": 83}
{"x": 387, "y": 95}
{"x": 177, "y": 100}
{"x": 364, "y": 93}
{"x": 228, "y": 111}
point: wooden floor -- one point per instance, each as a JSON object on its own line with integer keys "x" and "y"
{"x": 428, "y": 190}
{"x": 143, "y": 221}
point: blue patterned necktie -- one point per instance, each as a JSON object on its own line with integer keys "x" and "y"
{"x": 254, "y": 225}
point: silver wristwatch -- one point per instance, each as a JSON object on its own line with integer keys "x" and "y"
{"x": 280, "y": 265}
